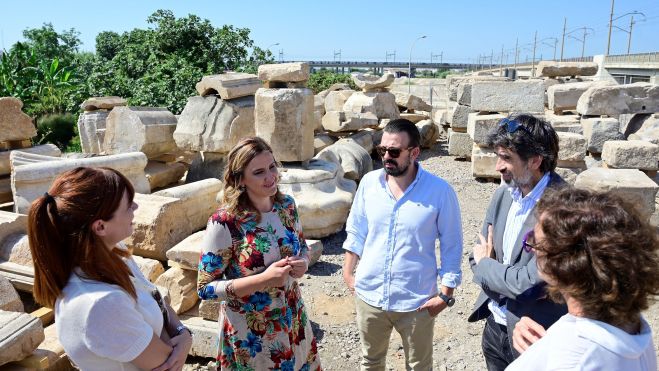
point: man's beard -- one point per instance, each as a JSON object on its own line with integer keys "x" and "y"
{"x": 524, "y": 180}
{"x": 397, "y": 170}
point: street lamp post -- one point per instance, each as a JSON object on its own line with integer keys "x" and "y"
{"x": 409, "y": 66}
{"x": 631, "y": 27}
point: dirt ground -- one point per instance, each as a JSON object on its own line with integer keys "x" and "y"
{"x": 456, "y": 342}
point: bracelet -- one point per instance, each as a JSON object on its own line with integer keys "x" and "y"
{"x": 181, "y": 328}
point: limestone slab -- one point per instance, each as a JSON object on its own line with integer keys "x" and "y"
{"x": 323, "y": 196}
{"x": 599, "y": 130}
{"x": 13, "y": 228}
{"x": 167, "y": 217}
{"x": 212, "y": 124}
{"x": 229, "y": 85}
{"x": 161, "y": 174}
{"x": 15, "y": 248}
{"x": 339, "y": 121}
{"x": 284, "y": 118}
{"x": 353, "y": 159}
{"x": 102, "y": 103}
{"x": 209, "y": 309}
{"x": 459, "y": 144}
{"x": 44, "y": 149}
{"x": 453, "y": 83}
{"x": 414, "y": 117}
{"x": 204, "y": 343}
{"x": 321, "y": 141}
{"x": 480, "y": 126}
{"x": 501, "y": 96}
{"x": 285, "y": 72}
{"x": 571, "y": 146}
{"x": 140, "y": 129}
{"x": 372, "y": 83}
{"x": 557, "y": 69}
{"x": 20, "y": 335}
{"x": 315, "y": 251}
{"x": 335, "y": 87}
{"x": 14, "y": 124}
{"x": 89, "y": 124}
{"x": 364, "y": 138}
{"x": 186, "y": 253}
{"x": 483, "y": 163}
{"x": 9, "y": 299}
{"x": 33, "y": 174}
{"x": 429, "y": 133}
{"x": 631, "y": 154}
{"x": 150, "y": 268}
{"x": 335, "y": 100}
{"x": 563, "y": 97}
{"x": 181, "y": 285}
{"x": 439, "y": 117}
{"x": 648, "y": 131}
{"x": 615, "y": 100}
{"x": 381, "y": 104}
{"x": 411, "y": 102}
{"x": 464, "y": 93}
{"x": 632, "y": 185}
{"x": 459, "y": 117}
{"x": 206, "y": 165}
{"x": 569, "y": 174}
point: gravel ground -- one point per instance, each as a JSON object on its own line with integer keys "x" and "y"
{"x": 456, "y": 342}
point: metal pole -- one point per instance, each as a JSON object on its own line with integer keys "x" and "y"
{"x": 501, "y": 63}
{"x": 409, "y": 66}
{"x": 516, "y": 43}
{"x": 563, "y": 40}
{"x": 583, "y": 42}
{"x": 535, "y": 38}
{"x": 608, "y": 43}
{"x": 491, "y": 57}
{"x": 629, "y": 40}
{"x": 555, "y": 45}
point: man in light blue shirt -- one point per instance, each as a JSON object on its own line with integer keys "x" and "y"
{"x": 396, "y": 217}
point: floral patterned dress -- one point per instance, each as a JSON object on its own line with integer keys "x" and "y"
{"x": 267, "y": 330}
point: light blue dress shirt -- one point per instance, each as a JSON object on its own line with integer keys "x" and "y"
{"x": 395, "y": 240}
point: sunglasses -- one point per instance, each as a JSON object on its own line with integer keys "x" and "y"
{"x": 512, "y": 126}
{"x": 393, "y": 151}
{"x": 528, "y": 242}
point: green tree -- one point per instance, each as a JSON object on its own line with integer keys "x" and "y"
{"x": 323, "y": 79}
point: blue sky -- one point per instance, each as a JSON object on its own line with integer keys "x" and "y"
{"x": 367, "y": 30}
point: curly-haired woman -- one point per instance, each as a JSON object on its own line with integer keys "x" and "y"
{"x": 600, "y": 257}
{"x": 252, "y": 253}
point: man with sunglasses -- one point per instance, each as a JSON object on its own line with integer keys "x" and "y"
{"x": 396, "y": 217}
{"x": 503, "y": 262}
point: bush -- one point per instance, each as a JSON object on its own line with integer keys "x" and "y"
{"x": 323, "y": 79}
{"x": 58, "y": 129}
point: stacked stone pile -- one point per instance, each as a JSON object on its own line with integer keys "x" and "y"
{"x": 213, "y": 122}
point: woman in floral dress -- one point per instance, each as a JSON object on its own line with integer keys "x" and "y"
{"x": 252, "y": 253}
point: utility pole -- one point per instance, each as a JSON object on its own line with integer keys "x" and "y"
{"x": 516, "y": 51}
{"x": 563, "y": 40}
{"x": 535, "y": 40}
{"x": 337, "y": 54}
{"x": 608, "y": 43}
{"x": 629, "y": 40}
{"x": 386, "y": 58}
{"x": 434, "y": 56}
{"x": 491, "y": 57}
{"x": 281, "y": 55}
{"x": 501, "y": 62}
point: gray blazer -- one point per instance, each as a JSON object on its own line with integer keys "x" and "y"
{"x": 523, "y": 291}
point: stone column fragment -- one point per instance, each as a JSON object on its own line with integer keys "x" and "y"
{"x": 615, "y": 100}
{"x": 145, "y": 129}
{"x": 20, "y": 335}
{"x": 229, "y": 85}
{"x": 518, "y": 96}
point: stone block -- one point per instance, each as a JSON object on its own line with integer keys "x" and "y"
{"x": 577, "y": 164}
{"x": 464, "y": 94}
{"x": 20, "y": 335}
{"x": 160, "y": 174}
{"x": 204, "y": 343}
{"x": 563, "y": 97}
{"x": 14, "y": 124}
{"x": 150, "y": 268}
{"x": 364, "y": 138}
{"x": 483, "y": 163}
{"x": 439, "y": 117}
{"x": 335, "y": 100}
{"x": 206, "y": 165}
{"x": 284, "y": 72}
{"x": 557, "y": 69}
{"x": 229, "y": 85}
{"x": 381, "y": 104}
{"x": 89, "y": 125}
{"x": 33, "y": 174}
{"x": 453, "y": 83}
{"x": 15, "y": 247}
{"x": 565, "y": 123}
{"x": 315, "y": 251}
{"x": 480, "y": 126}
{"x": 140, "y": 129}
{"x": 209, "y": 309}
{"x": 632, "y": 154}
{"x": 339, "y": 121}
{"x": 414, "y": 117}
{"x": 182, "y": 287}
{"x": 411, "y": 102}
{"x": 323, "y": 196}
{"x": 372, "y": 83}
{"x": 615, "y": 100}
{"x": 350, "y": 156}
{"x": 158, "y": 222}
{"x": 571, "y": 146}
{"x": 459, "y": 144}
{"x": 334, "y": 87}
{"x": 429, "y": 133}
{"x": 569, "y": 174}
{"x": 102, "y": 103}
{"x": 211, "y": 124}
{"x": 51, "y": 352}
{"x": 632, "y": 185}
{"x": 501, "y": 96}
{"x": 186, "y": 253}
{"x": 5, "y": 189}
{"x": 321, "y": 141}
{"x": 44, "y": 149}
{"x": 9, "y": 299}
{"x": 599, "y": 130}
{"x": 284, "y": 118}
{"x": 459, "y": 118}
{"x": 648, "y": 130}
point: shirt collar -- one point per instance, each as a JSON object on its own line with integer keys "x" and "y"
{"x": 536, "y": 192}
{"x": 383, "y": 177}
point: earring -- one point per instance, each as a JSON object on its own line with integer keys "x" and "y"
{"x": 241, "y": 188}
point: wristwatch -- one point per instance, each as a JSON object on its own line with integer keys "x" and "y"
{"x": 449, "y": 300}
{"x": 182, "y": 328}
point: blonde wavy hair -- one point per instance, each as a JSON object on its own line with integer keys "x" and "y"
{"x": 235, "y": 199}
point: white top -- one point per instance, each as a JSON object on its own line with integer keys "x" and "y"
{"x": 100, "y": 325}
{"x": 577, "y": 343}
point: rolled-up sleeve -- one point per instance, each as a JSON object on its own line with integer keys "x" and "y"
{"x": 449, "y": 226}
{"x": 357, "y": 224}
